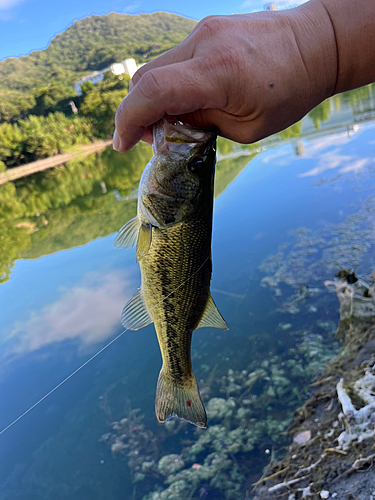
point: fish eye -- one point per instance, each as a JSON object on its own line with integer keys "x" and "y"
{"x": 196, "y": 165}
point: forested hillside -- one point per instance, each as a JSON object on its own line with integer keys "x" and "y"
{"x": 89, "y": 44}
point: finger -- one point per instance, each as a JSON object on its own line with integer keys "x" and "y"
{"x": 243, "y": 130}
{"x": 183, "y": 51}
{"x": 147, "y": 136}
{"x": 175, "y": 90}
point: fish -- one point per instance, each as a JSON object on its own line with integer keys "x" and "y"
{"x": 172, "y": 234}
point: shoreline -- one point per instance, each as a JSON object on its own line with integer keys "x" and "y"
{"x": 53, "y": 161}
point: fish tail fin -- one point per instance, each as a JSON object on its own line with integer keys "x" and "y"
{"x": 180, "y": 401}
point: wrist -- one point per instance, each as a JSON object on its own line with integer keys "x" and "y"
{"x": 316, "y": 41}
{"x": 354, "y": 27}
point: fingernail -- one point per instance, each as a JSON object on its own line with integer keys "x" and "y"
{"x": 116, "y": 141}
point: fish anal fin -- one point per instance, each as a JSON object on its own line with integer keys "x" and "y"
{"x": 134, "y": 315}
{"x": 179, "y": 401}
{"x": 127, "y": 236}
{"x": 212, "y": 317}
{"x": 144, "y": 240}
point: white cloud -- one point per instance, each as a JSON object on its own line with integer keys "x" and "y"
{"x": 130, "y": 9}
{"x": 8, "y": 4}
{"x": 256, "y": 5}
{"x": 90, "y": 313}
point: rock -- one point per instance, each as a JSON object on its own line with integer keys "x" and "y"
{"x": 324, "y": 494}
{"x": 302, "y": 437}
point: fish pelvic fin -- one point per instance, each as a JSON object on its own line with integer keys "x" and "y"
{"x": 128, "y": 234}
{"x": 184, "y": 401}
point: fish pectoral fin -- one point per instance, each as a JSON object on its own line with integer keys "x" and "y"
{"x": 144, "y": 240}
{"x": 134, "y": 315}
{"x": 127, "y": 236}
{"x": 212, "y": 317}
{"x": 181, "y": 401}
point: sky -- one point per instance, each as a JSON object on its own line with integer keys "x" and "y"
{"x": 27, "y": 25}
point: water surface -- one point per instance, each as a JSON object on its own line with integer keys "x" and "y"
{"x": 289, "y": 213}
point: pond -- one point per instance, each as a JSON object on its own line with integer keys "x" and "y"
{"x": 289, "y": 213}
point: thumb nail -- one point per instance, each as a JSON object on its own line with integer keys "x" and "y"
{"x": 116, "y": 141}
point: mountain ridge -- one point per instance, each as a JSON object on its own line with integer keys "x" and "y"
{"x": 90, "y": 44}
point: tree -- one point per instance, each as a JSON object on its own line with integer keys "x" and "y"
{"x": 101, "y": 109}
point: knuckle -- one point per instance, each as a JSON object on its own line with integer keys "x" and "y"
{"x": 136, "y": 77}
{"x": 210, "y": 26}
{"x": 149, "y": 85}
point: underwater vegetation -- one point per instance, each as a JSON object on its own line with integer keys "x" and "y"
{"x": 315, "y": 255}
{"x": 333, "y": 432}
{"x": 248, "y": 411}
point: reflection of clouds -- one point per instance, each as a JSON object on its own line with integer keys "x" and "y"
{"x": 332, "y": 160}
{"x": 356, "y": 166}
{"x": 89, "y": 313}
{"x": 327, "y": 161}
{"x": 279, "y": 153}
{"x": 318, "y": 144}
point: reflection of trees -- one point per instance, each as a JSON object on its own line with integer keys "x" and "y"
{"x": 321, "y": 113}
{"x": 13, "y": 240}
{"x": 227, "y": 171}
{"x": 292, "y": 132}
{"x": 224, "y": 146}
{"x": 65, "y": 207}
{"x": 357, "y": 95}
{"x": 79, "y": 223}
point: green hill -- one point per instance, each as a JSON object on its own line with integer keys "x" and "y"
{"x": 88, "y": 45}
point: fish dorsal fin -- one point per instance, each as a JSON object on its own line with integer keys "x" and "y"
{"x": 127, "y": 236}
{"x": 144, "y": 240}
{"x": 134, "y": 315}
{"x": 211, "y": 317}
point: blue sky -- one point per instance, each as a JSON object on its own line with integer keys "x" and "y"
{"x": 27, "y": 25}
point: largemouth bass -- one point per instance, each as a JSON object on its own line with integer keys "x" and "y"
{"x": 172, "y": 232}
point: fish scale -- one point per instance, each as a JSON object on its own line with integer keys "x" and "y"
{"x": 172, "y": 232}
{"x": 175, "y": 255}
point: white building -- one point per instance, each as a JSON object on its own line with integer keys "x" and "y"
{"x": 130, "y": 66}
{"x": 270, "y": 6}
{"x": 117, "y": 69}
{"x": 95, "y": 77}
{"x": 127, "y": 67}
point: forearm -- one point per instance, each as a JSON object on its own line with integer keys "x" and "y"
{"x": 353, "y": 28}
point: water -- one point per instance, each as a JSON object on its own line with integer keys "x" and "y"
{"x": 289, "y": 212}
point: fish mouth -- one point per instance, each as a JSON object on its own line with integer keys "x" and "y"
{"x": 176, "y": 132}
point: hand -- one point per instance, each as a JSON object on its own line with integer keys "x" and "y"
{"x": 247, "y": 75}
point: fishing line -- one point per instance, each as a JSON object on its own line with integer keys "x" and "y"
{"x": 95, "y": 355}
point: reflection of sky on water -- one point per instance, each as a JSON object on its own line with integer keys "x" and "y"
{"x": 60, "y": 309}
{"x": 86, "y": 312}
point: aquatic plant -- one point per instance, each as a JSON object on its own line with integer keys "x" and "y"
{"x": 315, "y": 256}
{"x": 333, "y": 432}
{"x": 248, "y": 413}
